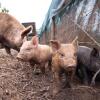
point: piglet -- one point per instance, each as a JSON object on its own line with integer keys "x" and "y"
{"x": 64, "y": 60}
{"x": 35, "y": 53}
{"x": 88, "y": 64}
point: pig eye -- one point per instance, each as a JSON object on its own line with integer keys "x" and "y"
{"x": 61, "y": 54}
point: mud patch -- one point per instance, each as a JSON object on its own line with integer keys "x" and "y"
{"x": 18, "y": 82}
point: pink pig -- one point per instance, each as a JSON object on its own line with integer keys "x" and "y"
{"x": 35, "y": 53}
{"x": 64, "y": 60}
{"x": 12, "y": 33}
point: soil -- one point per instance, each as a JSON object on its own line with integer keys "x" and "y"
{"x": 18, "y": 82}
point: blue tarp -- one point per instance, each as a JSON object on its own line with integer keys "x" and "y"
{"x": 86, "y": 14}
{"x": 54, "y": 5}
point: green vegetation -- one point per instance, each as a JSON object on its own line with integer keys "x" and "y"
{"x": 3, "y": 9}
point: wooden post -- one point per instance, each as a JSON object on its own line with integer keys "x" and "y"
{"x": 54, "y": 27}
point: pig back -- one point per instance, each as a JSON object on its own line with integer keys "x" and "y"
{"x": 83, "y": 55}
{"x": 44, "y": 52}
{"x": 9, "y": 25}
{"x": 10, "y": 32}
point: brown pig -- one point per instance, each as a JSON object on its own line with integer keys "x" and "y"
{"x": 35, "y": 53}
{"x": 12, "y": 33}
{"x": 64, "y": 60}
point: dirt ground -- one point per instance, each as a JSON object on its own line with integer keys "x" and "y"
{"x": 18, "y": 82}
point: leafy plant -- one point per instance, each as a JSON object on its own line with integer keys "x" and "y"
{"x": 5, "y": 10}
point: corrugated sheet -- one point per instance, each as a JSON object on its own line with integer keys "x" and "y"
{"x": 81, "y": 16}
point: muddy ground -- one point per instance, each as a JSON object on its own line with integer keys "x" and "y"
{"x": 18, "y": 82}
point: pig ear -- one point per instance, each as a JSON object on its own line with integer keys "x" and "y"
{"x": 55, "y": 44}
{"x": 26, "y": 31}
{"x": 95, "y": 52}
{"x": 35, "y": 40}
{"x": 75, "y": 41}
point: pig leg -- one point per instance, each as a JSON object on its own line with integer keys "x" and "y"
{"x": 73, "y": 74}
{"x": 36, "y": 71}
{"x": 67, "y": 81}
{"x": 56, "y": 81}
{"x": 49, "y": 65}
{"x": 32, "y": 63}
{"x": 85, "y": 75}
{"x": 1, "y": 46}
{"x": 34, "y": 66}
{"x": 8, "y": 50}
{"x": 42, "y": 68}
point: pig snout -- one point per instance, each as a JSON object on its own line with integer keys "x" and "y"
{"x": 70, "y": 63}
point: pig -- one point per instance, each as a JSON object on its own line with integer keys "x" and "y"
{"x": 12, "y": 33}
{"x": 88, "y": 64}
{"x": 64, "y": 60}
{"x": 35, "y": 53}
